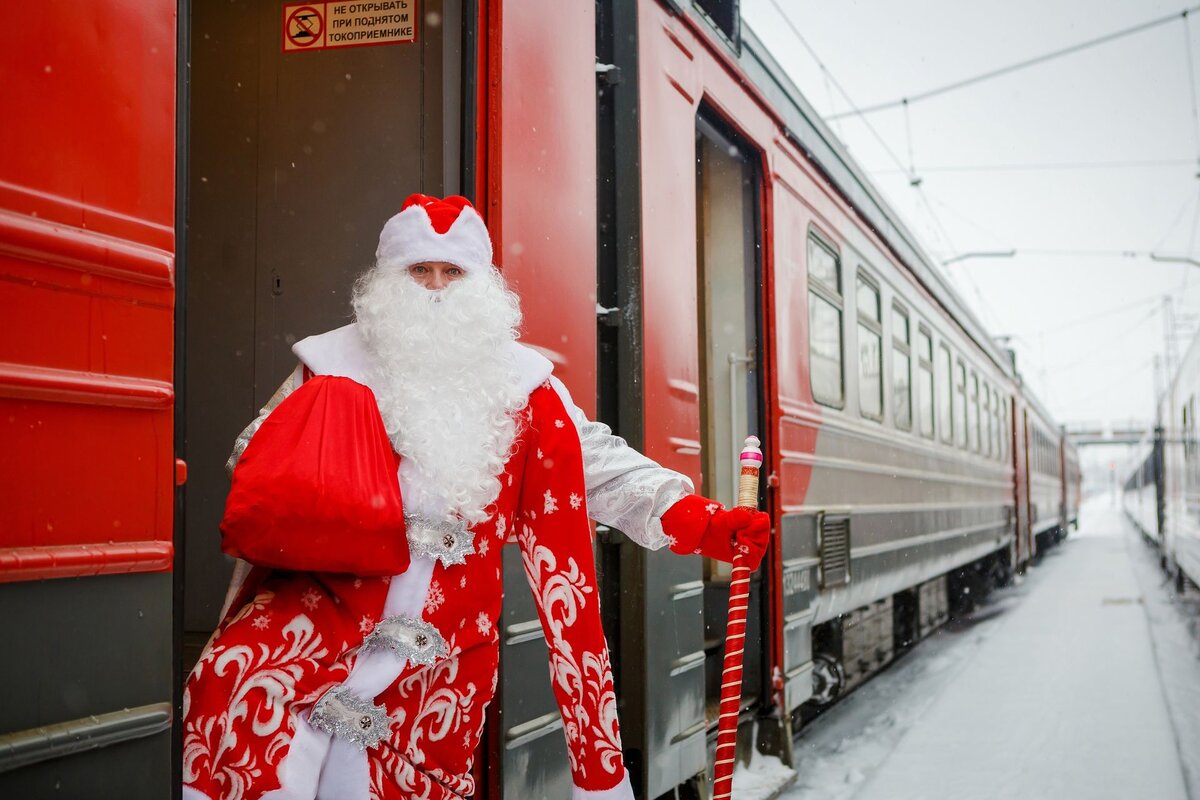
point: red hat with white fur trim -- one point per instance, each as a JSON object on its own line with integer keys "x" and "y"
{"x": 430, "y": 229}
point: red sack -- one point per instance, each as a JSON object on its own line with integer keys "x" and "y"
{"x": 316, "y": 489}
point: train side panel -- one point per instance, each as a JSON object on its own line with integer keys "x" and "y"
{"x": 540, "y": 111}
{"x": 867, "y": 505}
{"x": 668, "y": 735}
{"x": 1180, "y": 469}
{"x": 87, "y": 205}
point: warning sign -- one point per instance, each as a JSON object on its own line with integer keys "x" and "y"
{"x": 323, "y": 26}
{"x": 303, "y": 28}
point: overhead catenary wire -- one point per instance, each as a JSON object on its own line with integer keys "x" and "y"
{"x": 908, "y": 169}
{"x": 1106, "y": 348}
{"x": 787, "y": 20}
{"x": 1108, "y": 312}
{"x": 1192, "y": 197}
{"x": 1015, "y": 67}
{"x": 916, "y": 183}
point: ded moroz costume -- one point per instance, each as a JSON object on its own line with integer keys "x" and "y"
{"x": 358, "y": 685}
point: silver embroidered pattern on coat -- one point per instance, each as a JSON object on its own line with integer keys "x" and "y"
{"x": 409, "y": 638}
{"x": 447, "y": 541}
{"x": 343, "y": 714}
{"x": 243, "y": 440}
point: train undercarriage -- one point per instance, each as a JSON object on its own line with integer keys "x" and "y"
{"x": 853, "y": 647}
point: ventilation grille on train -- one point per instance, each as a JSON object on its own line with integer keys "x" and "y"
{"x": 835, "y": 550}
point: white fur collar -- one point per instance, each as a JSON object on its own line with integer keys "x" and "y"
{"x": 342, "y": 352}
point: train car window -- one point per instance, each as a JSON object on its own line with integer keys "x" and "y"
{"x": 901, "y": 369}
{"x": 725, "y": 16}
{"x": 960, "y": 404}
{"x": 825, "y": 324}
{"x": 1002, "y": 425}
{"x": 870, "y": 350}
{"x": 973, "y": 413}
{"x": 945, "y": 395}
{"x": 998, "y": 449}
{"x": 985, "y": 420}
{"x": 925, "y": 381}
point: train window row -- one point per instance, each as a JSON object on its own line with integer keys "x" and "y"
{"x": 950, "y": 397}
{"x": 1043, "y": 454}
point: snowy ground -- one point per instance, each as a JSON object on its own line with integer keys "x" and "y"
{"x": 1081, "y": 681}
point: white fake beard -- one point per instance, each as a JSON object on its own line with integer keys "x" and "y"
{"x": 446, "y": 383}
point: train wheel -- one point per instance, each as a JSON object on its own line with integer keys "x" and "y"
{"x": 1001, "y": 572}
{"x": 829, "y": 679}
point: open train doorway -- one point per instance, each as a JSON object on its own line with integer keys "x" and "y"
{"x": 295, "y": 156}
{"x": 729, "y": 278}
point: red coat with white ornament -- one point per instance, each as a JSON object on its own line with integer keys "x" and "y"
{"x": 432, "y": 669}
{"x": 335, "y": 686}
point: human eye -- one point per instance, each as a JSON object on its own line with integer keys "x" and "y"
{"x": 418, "y": 269}
{"x": 455, "y": 272}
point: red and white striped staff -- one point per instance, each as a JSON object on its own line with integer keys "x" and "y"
{"x": 735, "y": 633}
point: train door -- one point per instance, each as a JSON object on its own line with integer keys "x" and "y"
{"x": 295, "y": 158}
{"x": 87, "y": 471}
{"x": 1064, "y": 481}
{"x": 728, "y": 279}
{"x": 1016, "y": 437}
{"x": 1028, "y": 457}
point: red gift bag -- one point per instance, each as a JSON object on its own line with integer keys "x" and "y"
{"x": 316, "y": 489}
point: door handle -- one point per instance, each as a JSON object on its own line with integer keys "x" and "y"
{"x": 735, "y": 437}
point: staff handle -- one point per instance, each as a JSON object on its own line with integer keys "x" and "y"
{"x": 735, "y": 633}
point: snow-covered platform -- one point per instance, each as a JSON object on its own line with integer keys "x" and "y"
{"x": 1081, "y": 681}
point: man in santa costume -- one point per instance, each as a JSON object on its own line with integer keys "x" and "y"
{"x": 326, "y": 685}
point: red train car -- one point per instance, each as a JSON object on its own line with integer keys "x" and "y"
{"x": 188, "y": 188}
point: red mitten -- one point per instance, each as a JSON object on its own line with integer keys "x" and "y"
{"x": 316, "y": 489}
{"x": 698, "y": 525}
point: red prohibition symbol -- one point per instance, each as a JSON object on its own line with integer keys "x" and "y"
{"x": 304, "y": 26}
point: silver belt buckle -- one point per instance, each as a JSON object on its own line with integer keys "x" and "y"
{"x": 447, "y": 541}
{"x": 343, "y": 714}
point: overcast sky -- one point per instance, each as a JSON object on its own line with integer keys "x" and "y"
{"x": 1086, "y": 327}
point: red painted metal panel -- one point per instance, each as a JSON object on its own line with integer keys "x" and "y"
{"x": 24, "y": 382}
{"x": 544, "y": 179}
{"x": 678, "y": 69}
{"x": 798, "y": 417}
{"x": 43, "y": 563}
{"x": 91, "y": 92}
{"x": 87, "y": 188}
{"x": 1019, "y": 453}
{"x": 670, "y": 92}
